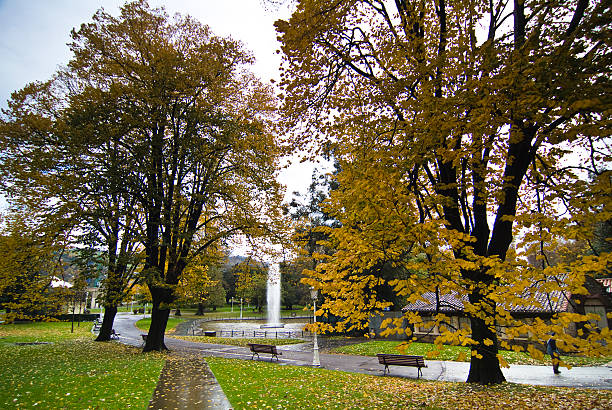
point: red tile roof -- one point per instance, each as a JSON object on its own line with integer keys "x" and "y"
{"x": 551, "y": 302}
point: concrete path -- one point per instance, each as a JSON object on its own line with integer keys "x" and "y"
{"x": 186, "y": 382}
{"x": 301, "y": 355}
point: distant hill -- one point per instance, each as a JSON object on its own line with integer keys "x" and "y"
{"x": 234, "y": 260}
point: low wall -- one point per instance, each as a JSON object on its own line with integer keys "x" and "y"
{"x": 375, "y": 323}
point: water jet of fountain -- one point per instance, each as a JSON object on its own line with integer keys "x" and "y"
{"x": 274, "y": 297}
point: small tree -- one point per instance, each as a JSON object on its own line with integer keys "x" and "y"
{"x": 251, "y": 282}
{"x": 216, "y": 291}
{"x": 194, "y": 287}
{"x": 27, "y": 269}
{"x": 293, "y": 291}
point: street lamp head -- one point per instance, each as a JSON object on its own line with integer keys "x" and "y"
{"x": 313, "y": 293}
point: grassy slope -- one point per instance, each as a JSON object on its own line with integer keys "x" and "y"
{"x": 261, "y": 384}
{"x": 73, "y": 371}
{"x": 454, "y": 352}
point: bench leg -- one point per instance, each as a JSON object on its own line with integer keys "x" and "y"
{"x": 253, "y": 356}
{"x": 386, "y": 370}
{"x": 419, "y": 373}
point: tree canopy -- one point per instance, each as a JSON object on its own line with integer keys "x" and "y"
{"x": 28, "y": 268}
{"x": 156, "y": 138}
{"x": 459, "y": 127}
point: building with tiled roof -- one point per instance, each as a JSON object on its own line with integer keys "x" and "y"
{"x": 607, "y": 283}
{"x": 545, "y": 305}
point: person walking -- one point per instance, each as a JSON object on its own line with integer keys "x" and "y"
{"x": 553, "y": 351}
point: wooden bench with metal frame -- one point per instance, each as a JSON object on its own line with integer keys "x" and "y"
{"x": 259, "y": 348}
{"x": 401, "y": 360}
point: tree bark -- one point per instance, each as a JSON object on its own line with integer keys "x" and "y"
{"x": 200, "y": 311}
{"x": 159, "y": 319}
{"x": 107, "y": 324}
{"x": 485, "y": 369}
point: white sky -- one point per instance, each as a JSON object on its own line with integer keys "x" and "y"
{"x": 34, "y": 33}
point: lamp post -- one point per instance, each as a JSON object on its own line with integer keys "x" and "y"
{"x": 315, "y": 348}
{"x": 240, "y": 308}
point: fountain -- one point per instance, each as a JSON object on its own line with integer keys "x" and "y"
{"x": 274, "y": 297}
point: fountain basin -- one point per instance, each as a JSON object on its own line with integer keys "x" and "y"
{"x": 272, "y": 326}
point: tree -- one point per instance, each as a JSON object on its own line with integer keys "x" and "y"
{"x": 293, "y": 291}
{"x": 198, "y": 135}
{"x": 93, "y": 130}
{"x": 27, "y": 268}
{"x": 229, "y": 283}
{"x": 216, "y": 292}
{"x": 62, "y": 158}
{"x": 602, "y": 223}
{"x": 453, "y": 141}
{"x": 308, "y": 216}
{"x": 251, "y": 282}
{"x": 141, "y": 294}
{"x": 194, "y": 287}
{"x": 201, "y": 284}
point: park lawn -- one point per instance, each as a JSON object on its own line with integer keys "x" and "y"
{"x": 457, "y": 353}
{"x": 44, "y": 332}
{"x": 144, "y": 324}
{"x": 259, "y": 384}
{"x": 235, "y": 341}
{"x": 73, "y": 371}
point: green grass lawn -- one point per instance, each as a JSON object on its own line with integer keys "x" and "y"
{"x": 73, "y": 371}
{"x": 453, "y": 353}
{"x": 259, "y": 384}
{"x": 144, "y": 324}
{"x": 234, "y": 341}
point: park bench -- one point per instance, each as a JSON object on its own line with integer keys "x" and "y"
{"x": 97, "y": 325}
{"x": 258, "y": 348}
{"x": 401, "y": 360}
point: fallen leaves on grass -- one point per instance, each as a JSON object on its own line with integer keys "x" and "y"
{"x": 269, "y": 385}
{"x": 77, "y": 374}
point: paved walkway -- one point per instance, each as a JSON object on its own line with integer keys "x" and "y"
{"x": 301, "y": 355}
{"x": 186, "y": 382}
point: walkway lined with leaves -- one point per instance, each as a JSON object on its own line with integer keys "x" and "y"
{"x": 186, "y": 378}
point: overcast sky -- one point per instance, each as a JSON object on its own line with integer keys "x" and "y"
{"x": 34, "y": 33}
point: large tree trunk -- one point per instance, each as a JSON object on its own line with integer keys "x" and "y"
{"x": 107, "y": 324}
{"x": 485, "y": 369}
{"x": 159, "y": 320}
{"x": 200, "y": 311}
